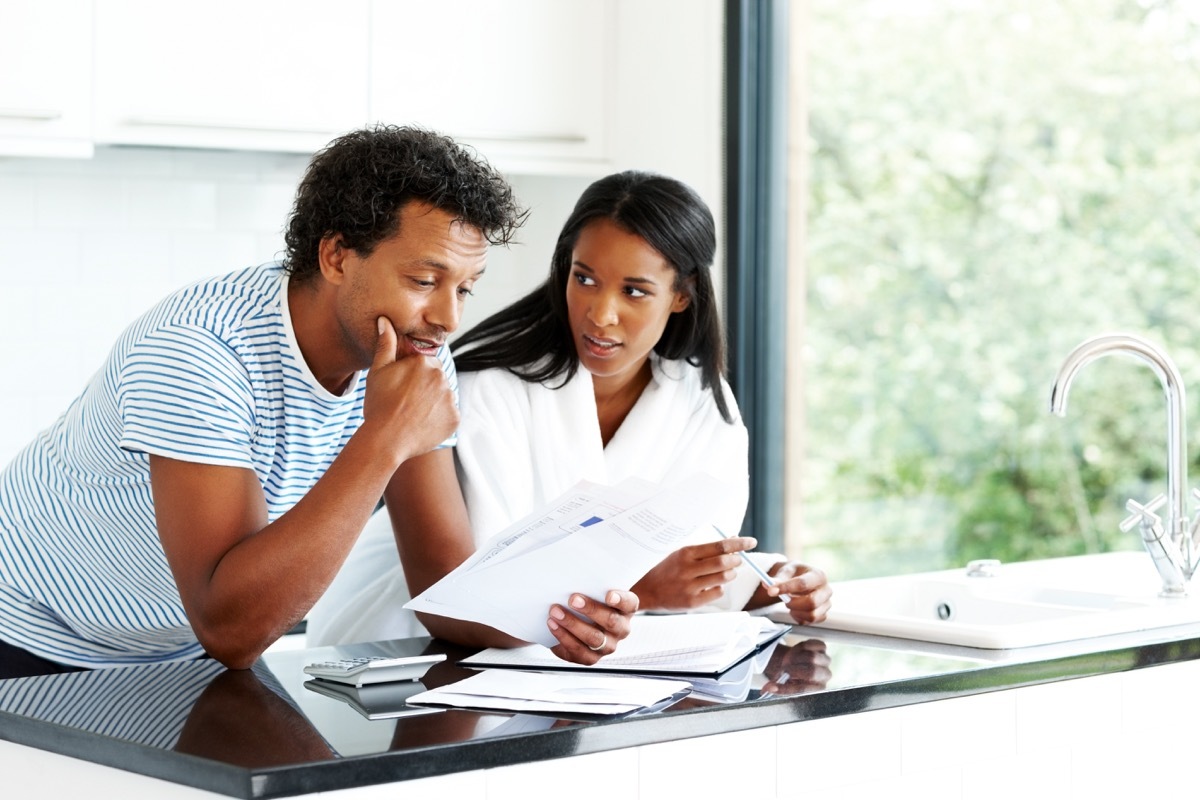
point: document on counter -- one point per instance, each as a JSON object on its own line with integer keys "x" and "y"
{"x": 686, "y": 645}
{"x": 591, "y": 539}
{"x": 507, "y": 690}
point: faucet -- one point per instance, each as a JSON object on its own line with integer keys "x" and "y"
{"x": 1171, "y": 550}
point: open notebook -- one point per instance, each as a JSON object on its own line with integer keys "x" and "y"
{"x": 684, "y": 645}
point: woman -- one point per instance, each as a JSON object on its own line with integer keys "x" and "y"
{"x": 611, "y": 369}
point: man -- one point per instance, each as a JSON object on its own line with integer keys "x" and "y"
{"x": 203, "y": 490}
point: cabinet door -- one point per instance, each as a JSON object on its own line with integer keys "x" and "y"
{"x": 270, "y": 74}
{"x": 45, "y": 84}
{"x": 525, "y": 81}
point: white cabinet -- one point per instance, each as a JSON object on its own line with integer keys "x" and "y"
{"x": 45, "y": 77}
{"x": 282, "y": 75}
{"x": 524, "y": 81}
{"x": 540, "y": 87}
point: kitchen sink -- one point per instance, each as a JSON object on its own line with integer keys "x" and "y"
{"x": 1022, "y": 604}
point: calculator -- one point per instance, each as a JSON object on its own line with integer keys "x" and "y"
{"x": 374, "y": 669}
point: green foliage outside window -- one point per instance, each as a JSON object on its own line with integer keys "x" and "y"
{"x": 991, "y": 184}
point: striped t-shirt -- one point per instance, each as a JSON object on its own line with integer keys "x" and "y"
{"x": 211, "y": 375}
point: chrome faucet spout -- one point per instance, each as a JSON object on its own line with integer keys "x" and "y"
{"x": 1173, "y": 558}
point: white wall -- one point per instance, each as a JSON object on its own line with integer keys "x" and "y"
{"x": 88, "y": 244}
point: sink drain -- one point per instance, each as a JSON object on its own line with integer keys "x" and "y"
{"x": 945, "y": 611}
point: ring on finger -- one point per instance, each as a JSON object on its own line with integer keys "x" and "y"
{"x": 600, "y": 646}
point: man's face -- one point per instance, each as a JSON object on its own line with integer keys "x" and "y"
{"x": 418, "y": 279}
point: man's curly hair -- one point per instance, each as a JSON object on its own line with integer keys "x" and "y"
{"x": 356, "y": 185}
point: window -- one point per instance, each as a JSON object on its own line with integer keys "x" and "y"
{"x": 984, "y": 186}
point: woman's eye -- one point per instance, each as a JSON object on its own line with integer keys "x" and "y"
{"x": 424, "y": 284}
{"x": 465, "y": 291}
{"x": 633, "y": 291}
{"x": 583, "y": 280}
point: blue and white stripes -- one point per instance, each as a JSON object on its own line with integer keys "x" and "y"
{"x": 211, "y": 375}
{"x": 147, "y": 705}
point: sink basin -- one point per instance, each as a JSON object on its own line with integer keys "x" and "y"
{"x": 1024, "y": 604}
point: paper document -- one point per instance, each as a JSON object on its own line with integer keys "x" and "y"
{"x": 591, "y": 539}
{"x": 508, "y": 690}
{"x": 693, "y": 645}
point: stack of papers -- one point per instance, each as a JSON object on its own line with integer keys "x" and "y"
{"x": 592, "y": 539}
{"x": 688, "y": 645}
{"x": 506, "y": 690}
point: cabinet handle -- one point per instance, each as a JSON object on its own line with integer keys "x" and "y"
{"x": 517, "y": 136}
{"x": 34, "y": 114}
{"x": 488, "y": 136}
{"x": 232, "y": 125}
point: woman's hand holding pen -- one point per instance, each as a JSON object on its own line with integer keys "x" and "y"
{"x": 803, "y": 589}
{"x": 591, "y": 630}
{"x": 692, "y": 576}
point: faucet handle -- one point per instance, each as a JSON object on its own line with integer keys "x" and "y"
{"x": 1195, "y": 526}
{"x": 1143, "y": 514}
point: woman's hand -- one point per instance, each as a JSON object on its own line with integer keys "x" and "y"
{"x": 586, "y": 640}
{"x": 692, "y": 576}
{"x": 807, "y": 589}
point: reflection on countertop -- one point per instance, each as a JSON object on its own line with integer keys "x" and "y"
{"x": 263, "y": 733}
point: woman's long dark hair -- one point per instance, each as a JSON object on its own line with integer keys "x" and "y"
{"x": 532, "y": 337}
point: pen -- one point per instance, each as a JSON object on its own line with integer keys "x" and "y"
{"x": 767, "y": 579}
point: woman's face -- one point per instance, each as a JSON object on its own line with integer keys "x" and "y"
{"x": 620, "y": 294}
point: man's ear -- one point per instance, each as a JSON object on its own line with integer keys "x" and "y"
{"x": 331, "y": 256}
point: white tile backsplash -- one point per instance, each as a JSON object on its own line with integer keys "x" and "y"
{"x": 196, "y": 254}
{"x": 90, "y": 244}
{"x": 35, "y": 258}
{"x": 82, "y": 203}
{"x": 17, "y": 196}
{"x": 254, "y": 205}
{"x": 171, "y": 204}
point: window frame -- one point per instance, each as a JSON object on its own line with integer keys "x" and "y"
{"x": 756, "y": 247}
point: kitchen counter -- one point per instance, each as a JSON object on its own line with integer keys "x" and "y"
{"x": 262, "y": 733}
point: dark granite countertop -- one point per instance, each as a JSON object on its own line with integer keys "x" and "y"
{"x": 262, "y": 733}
